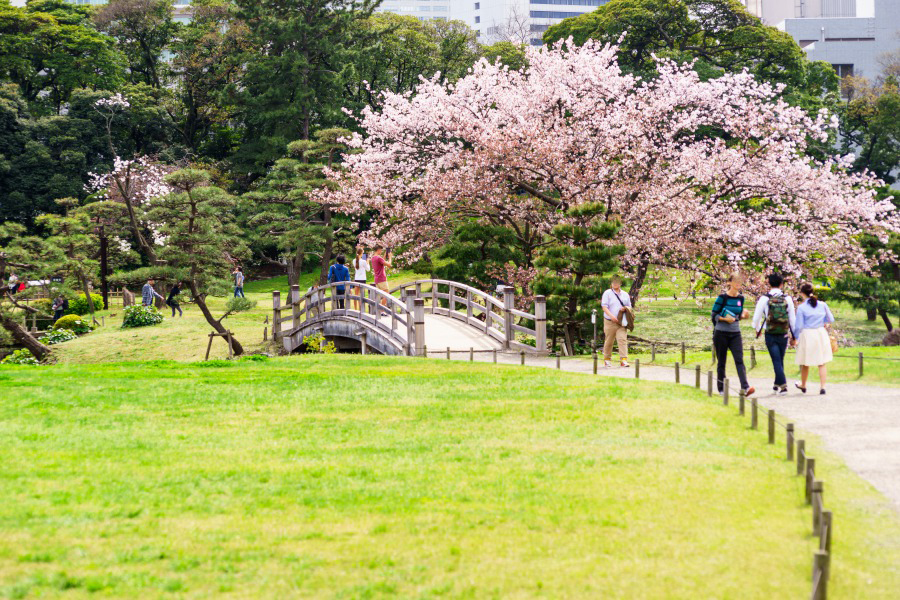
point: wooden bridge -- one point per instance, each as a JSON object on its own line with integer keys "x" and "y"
{"x": 427, "y": 313}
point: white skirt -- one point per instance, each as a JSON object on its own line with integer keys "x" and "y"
{"x": 814, "y": 348}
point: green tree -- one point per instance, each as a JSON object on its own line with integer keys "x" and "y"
{"x": 293, "y": 78}
{"x": 870, "y": 126}
{"x": 573, "y": 268}
{"x": 477, "y": 254}
{"x": 508, "y": 53}
{"x": 20, "y": 254}
{"x": 200, "y": 239}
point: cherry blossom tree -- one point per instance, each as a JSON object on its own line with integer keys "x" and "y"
{"x": 702, "y": 175}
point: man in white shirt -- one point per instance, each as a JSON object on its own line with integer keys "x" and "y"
{"x": 615, "y": 321}
{"x": 775, "y": 313}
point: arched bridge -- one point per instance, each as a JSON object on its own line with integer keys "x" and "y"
{"x": 427, "y": 313}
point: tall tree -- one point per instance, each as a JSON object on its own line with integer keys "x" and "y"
{"x": 293, "y": 77}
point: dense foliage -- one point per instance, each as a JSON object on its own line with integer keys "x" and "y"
{"x": 20, "y": 357}
{"x": 141, "y": 316}
{"x": 58, "y": 336}
{"x": 73, "y": 323}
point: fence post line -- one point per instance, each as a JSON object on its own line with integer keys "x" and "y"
{"x": 742, "y": 398}
{"x": 471, "y": 354}
{"x": 860, "y": 364}
{"x": 754, "y": 414}
{"x": 508, "y": 304}
{"x": 682, "y": 354}
{"x": 709, "y": 383}
{"x": 419, "y": 313}
{"x": 810, "y": 475}
{"x": 276, "y": 315}
{"x": 697, "y": 377}
{"x": 677, "y": 373}
{"x": 821, "y": 567}
{"x": 540, "y": 323}
{"x": 595, "y": 363}
{"x": 725, "y": 393}
{"x": 653, "y": 352}
{"x": 826, "y": 520}
{"x": 637, "y": 368}
{"x": 801, "y": 457}
{"x": 817, "y": 489}
{"x": 790, "y": 441}
{"x": 771, "y": 426}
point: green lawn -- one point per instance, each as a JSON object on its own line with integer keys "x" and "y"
{"x": 374, "y": 477}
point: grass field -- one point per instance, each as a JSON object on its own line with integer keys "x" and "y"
{"x": 370, "y": 477}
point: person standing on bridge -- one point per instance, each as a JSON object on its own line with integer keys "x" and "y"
{"x": 616, "y": 305}
{"x": 379, "y": 265}
{"x": 336, "y": 274}
{"x": 360, "y": 269}
{"x": 727, "y": 312}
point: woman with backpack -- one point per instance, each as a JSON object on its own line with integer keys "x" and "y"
{"x": 727, "y": 312}
{"x": 812, "y": 342}
{"x": 776, "y": 315}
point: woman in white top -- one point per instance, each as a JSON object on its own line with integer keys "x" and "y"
{"x": 361, "y": 268}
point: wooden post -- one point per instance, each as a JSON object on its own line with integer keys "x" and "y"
{"x": 295, "y": 307}
{"x": 266, "y": 333}
{"x": 637, "y": 368}
{"x": 522, "y": 354}
{"x": 725, "y": 391}
{"x": 771, "y": 426}
{"x": 419, "y": 312}
{"x": 677, "y": 373}
{"x": 697, "y": 377}
{"x": 363, "y": 343}
{"x": 410, "y": 300}
{"x": 653, "y": 352}
{"x": 801, "y": 457}
{"x": 103, "y": 321}
{"x": 810, "y": 476}
{"x": 557, "y": 360}
{"x": 230, "y": 351}
{"x": 495, "y": 356}
{"x": 754, "y": 414}
{"x": 468, "y": 306}
{"x": 508, "y": 304}
{"x": 424, "y": 351}
{"x": 471, "y": 354}
{"x": 742, "y": 397}
{"x": 790, "y": 441}
{"x": 709, "y": 383}
{"x": 276, "y": 315}
{"x": 821, "y": 569}
{"x": 752, "y": 357}
{"x": 595, "y": 363}
{"x": 540, "y": 323}
{"x": 860, "y": 364}
{"x": 448, "y": 352}
{"x": 826, "y": 519}
{"x": 682, "y": 354}
{"x": 209, "y": 347}
{"x": 817, "y": 506}
{"x": 451, "y": 300}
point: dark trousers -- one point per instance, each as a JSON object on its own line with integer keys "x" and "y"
{"x": 723, "y": 341}
{"x": 239, "y": 291}
{"x": 339, "y": 297}
{"x": 57, "y": 314}
{"x": 777, "y": 346}
{"x": 173, "y": 304}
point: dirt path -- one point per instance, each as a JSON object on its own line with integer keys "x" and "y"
{"x": 860, "y": 423}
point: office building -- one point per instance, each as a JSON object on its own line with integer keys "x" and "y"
{"x": 519, "y": 21}
{"x": 421, "y": 9}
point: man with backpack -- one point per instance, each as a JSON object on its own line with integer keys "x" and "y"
{"x": 775, "y": 314}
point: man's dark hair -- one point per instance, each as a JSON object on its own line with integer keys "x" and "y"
{"x": 775, "y": 280}
{"x": 340, "y": 259}
{"x": 379, "y": 247}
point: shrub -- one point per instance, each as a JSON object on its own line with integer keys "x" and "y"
{"x": 314, "y": 345}
{"x": 141, "y": 316}
{"x": 44, "y": 305}
{"x": 73, "y": 323}
{"x": 58, "y": 336}
{"x": 79, "y": 305}
{"x": 239, "y": 304}
{"x": 20, "y": 357}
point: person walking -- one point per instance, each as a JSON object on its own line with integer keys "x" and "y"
{"x": 238, "y": 282}
{"x": 776, "y": 315}
{"x": 616, "y": 306}
{"x": 13, "y": 283}
{"x": 812, "y": 342}
{"x": 60, "y": 306}
{"x": 360, "y": 269}
{"x": 337, "y": 273}
{"x": 147, "y": 293}
{"x": 172, "y": 300}
{"x": 727, "y": 312}
{"x": 380, "y": 265}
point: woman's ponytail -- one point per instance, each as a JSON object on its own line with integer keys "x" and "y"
{"x": 359, "y": 251}
{"x": 807, "y": 290}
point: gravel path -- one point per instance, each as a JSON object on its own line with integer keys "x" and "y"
{"x": 860, "y": 423}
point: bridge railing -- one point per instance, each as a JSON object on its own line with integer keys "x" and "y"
{"x": 401, "y": 319}
{"x": 479, "y": 309}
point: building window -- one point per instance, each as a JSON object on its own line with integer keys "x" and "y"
{"x": 439, "y": 8}
{"x": 477, "y": 19}
{"x": 477, "y": 5}
{"x": 553, "y": 14}
{"x": 843, "y": 70}
{"x": 537, "y": 42}
{"x": 538, "y": 28}
{"x": 571, "y": 2}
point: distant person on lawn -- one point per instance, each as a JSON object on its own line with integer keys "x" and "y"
{"x": 360, "y": 269}
{"x": 147, "y": 293}
{"x": 379, "y": 266}
{"x": 238, "y": 282}
{"x": 172, "y": 300}
{"x": 336, "y": 274}
{"x": 812, "y": 342}
{"x": 727, "y": 312}
{"x": 13, "y": 283}
{"x": 776, "y": 315}
{"x": 60, "y": 306}
{"x": 617, "y": 313}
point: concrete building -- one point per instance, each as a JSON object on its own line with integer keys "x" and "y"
{"x": 421, "y": 9}
{"x": 851, "y": 35}
{"x": 520, "y": 21}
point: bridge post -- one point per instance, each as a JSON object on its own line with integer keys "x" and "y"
{"x": 295, "y": 306}
{"x": 410, "y": 299}
{"x": 419, "y": 311}
{"x": 276, "y": 316}
{"x": 509, "y": 297}
{"x": 540, "y": 323}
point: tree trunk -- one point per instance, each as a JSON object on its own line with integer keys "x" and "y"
{"x": 871, "y": 314}
{"x": 21, "y": 335}
{"x": 87, "y": 296}
{"x": 200, "y": 300}
{"x": 326, "y": 251}
{"x": 639, "y": 277}
{"x": 295, "y": 266}
{"x": 886, "y": 319}
{"x": 104, "y": 267}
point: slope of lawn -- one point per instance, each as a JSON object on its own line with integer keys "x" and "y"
{"x": 374, "y": 477}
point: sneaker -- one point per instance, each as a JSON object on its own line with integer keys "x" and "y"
{"x": 607, "y": 364}
{"x": 775, "y": 388}
{"x": 749, "y": 392}
{"x": 782, "y": 391}
{"x": 624, "y": 363}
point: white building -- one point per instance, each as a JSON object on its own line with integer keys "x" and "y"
{"x": 520, "y": 21}
{"x": 421, "y": 9}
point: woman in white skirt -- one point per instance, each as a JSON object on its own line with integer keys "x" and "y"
{"x": 360, "y": 268}
{"x": 812, "y": 342}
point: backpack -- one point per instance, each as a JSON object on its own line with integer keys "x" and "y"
{"x": 777, "y": 321}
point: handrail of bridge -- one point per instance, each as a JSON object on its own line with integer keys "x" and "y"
{"x": 494, "y": 317}
{"x": 371, "y": 305}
